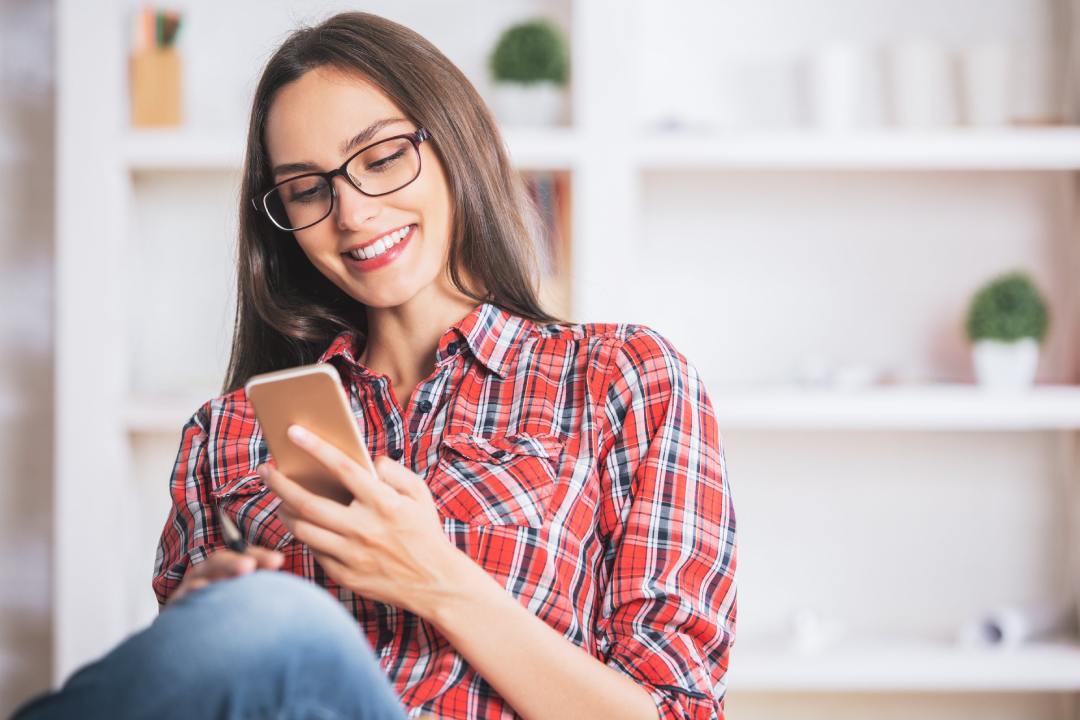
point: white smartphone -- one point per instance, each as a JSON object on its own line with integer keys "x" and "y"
{"x": 312, "y": 396}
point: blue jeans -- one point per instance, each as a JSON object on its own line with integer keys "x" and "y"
{"x": 266, "y": 644}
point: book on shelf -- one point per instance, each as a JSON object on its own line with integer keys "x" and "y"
{"x": 549, "y": 192}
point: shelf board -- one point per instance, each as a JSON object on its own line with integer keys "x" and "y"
{"x": 172, "y": 150}
{"x": 919, "y": 407}
{"x": 556, "y": 148}
{"x": 1044, "y": 667}
{"x": 167, "y": 150}
{"x": 1012, "y": 148}
{"x": 159, "y": 415}
{"x": 898, "y": 407}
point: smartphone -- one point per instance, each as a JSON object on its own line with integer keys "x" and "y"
{"x": 312, "y": 396}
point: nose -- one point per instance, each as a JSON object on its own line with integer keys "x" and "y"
{"x": 352, "y": 207}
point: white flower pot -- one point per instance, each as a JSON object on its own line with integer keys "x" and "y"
{"x": 540, "y": 103}
{"x": 1006, "y": 364}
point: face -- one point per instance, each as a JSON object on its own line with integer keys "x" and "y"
{"x": 308, "y": 122}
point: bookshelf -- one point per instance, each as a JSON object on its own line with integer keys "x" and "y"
{"x": 745, "y": 247}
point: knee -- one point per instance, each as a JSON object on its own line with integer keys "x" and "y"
{"x": 264, "y": 612}
{"x": 273, "y": 598}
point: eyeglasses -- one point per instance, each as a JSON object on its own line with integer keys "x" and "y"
{"x": 377, "y": 169}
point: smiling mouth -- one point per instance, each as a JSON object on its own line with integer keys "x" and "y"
{"x": 381, "y": 246}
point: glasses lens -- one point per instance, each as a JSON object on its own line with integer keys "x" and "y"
{"x": 385, "y": 167}
{"x": 299, "y": 202}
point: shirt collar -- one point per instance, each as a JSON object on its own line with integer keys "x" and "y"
{"x": 492, "y": 334}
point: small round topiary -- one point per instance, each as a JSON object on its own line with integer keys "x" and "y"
{"x": 1008, "y": 308}
{"x": 530, "y": 52}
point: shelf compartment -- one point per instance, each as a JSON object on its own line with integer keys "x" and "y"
{"x": 945, "y": 407}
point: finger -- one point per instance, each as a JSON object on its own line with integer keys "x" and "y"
{"x": 266, "y": 557}
{"x": 335, "y": 568}
{"x": 300, "y": 503}
{"x": 359, "y": 480}
{"x": 400, "y": 478}
{"x": 225, "y": 564}
{"x": 320, "y": 539}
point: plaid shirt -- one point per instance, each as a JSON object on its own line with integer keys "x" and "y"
{"x": 579, "y": 464}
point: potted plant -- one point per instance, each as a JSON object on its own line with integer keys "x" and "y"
{"x": 1006, "y": 322}
{"x": 529, "y": 67}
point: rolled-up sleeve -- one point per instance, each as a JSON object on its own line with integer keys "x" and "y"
{"x": 188, "y": 535}
{"x": 668, "y": 609}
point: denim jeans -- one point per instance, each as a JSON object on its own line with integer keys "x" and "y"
{"x": 266, "y": 644}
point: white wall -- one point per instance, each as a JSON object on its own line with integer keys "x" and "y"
{"x": 26, "y": 391}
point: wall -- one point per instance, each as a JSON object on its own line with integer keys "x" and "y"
{"x": 26, "y": 388}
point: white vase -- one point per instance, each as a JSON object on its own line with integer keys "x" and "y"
{"x": 1001, "y": 364}
{"x": 541, "y": 103}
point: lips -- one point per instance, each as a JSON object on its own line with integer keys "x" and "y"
{"x": 385, "y": 258}
{"x": 380, "y": 243}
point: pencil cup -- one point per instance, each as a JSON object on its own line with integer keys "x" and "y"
{"x": 155, "y": 88}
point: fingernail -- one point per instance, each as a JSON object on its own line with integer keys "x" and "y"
{"x": 298, "y": 433}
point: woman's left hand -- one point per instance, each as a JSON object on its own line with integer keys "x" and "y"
{"x": 387, "y": 544}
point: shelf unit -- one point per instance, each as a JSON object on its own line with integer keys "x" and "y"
{"x": 906, "y": 668}
{"x": 120, "y": 434}
{"x": 1035, "y": 148}
{"x": 946, "y": 407}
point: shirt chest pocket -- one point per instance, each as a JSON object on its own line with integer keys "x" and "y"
{"x": 247, "y": 501}
{"x": 504, "y": 480}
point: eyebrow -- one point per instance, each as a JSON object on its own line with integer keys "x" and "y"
{"x": 346, "y": 147}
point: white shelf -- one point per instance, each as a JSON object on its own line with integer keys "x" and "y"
{"x": 1048, "y": 148}
{"x": 544, "y": 148}
{"x": 161, "y": 415}
{"x": 168, "y": 150}
{"x": 898, "y": 407}
{"x": 926, "y": 408}
{"x": 1050, "y": 667}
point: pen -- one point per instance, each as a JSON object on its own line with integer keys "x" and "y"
{"x": 233, "y": 538}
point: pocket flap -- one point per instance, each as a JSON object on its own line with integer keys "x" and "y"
{"x": 503, "y": 448}
{"x": 246, "y": 484}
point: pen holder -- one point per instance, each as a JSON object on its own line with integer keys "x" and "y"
{"x": 155, "y": 88}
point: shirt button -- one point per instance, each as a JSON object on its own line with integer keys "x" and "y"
{"x": 396, "y": 453}
{"x": 424, "y": 406}
{"x": 451, "y": 348}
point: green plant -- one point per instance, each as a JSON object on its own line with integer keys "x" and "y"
{"x": 1008, "y": 308}
{"x": 530, "y": 52}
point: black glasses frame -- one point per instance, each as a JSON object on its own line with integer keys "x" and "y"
{"x": 415, "y": 138}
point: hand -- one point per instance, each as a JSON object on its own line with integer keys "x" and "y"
{"x": 223, "y": 564}
{"x": 387, "y": 544}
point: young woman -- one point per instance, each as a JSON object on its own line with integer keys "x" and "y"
{"x": 549, "y": 531}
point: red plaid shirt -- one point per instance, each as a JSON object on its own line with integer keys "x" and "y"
{"x": 579, "y": 464}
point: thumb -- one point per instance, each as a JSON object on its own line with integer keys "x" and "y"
{"x": 399, "y": 477}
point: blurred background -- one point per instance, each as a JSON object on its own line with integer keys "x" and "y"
{"x": 857, "y": 218}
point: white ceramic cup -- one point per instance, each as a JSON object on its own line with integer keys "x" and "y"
{"x": 923, "y": 85}
{"x": 846, "y": 87}
{"x": 986, "y": 73}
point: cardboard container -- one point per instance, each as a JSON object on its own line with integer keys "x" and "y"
{"x": 155, "y": 88}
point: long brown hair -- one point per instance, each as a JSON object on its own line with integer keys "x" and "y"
{"x": 287, "y": 311}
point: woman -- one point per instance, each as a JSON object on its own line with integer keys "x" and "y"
{"x": 549, "y": 530}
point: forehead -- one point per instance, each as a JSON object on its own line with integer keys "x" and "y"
{"x": 310, "y": 117}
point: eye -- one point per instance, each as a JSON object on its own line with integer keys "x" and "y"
{"x": 386, "y": 161}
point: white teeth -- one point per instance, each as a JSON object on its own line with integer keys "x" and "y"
{"x": 381, "y": 245}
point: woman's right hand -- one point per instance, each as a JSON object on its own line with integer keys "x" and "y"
{"x": 225, "y": 563}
